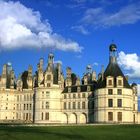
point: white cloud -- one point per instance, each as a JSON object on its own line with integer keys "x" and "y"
{"x": 21, "y": 27}
{"x": 130, "y": 63}
{"x": 80, "y": 29}
{"x": 138, "y": 86}
{"x": 98, "y": 17}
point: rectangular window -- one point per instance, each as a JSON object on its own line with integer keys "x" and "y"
{"x": 48, "y": 85}
{"x": 69, "y": 105}
{"x": 24, "y": 106}
{"x": 119, "y": 102}
{"x": 110, "y": 82}
{"x": 83, "y": 105}
{"x": 78, "y": 105}
{"x": 47, "y": 105}
{"x": 110, "y": 91}
{"x": 119, "y": 91}
{"x": 30, "y": 106}
{"x": 74, "y": 96}
{"x": 110, "y": 116}
{"x": 65, "y": 105}
{"x": 47, "y": 116}
{"x": 27, "y": 106}
{"x": 110, "y": 102}
{"x": 42, "y": 116}
{"x": 83, "y": 95}
{"x": 74, "y": 106}
{"x": 69, "y": 89}
{"x": 65, "y": 96}
{"x": 119, "y": 116}
{"x": 119, "y": 82}
{"x": 42, "y": 105}
{"x": 47, "y": 94}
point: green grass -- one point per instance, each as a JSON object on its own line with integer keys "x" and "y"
{"x": 97, "y": 132}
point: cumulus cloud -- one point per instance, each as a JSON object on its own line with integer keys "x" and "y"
{"x": 98, "y": 17}
{"x": 130, "y": 63}
{"x": 22, "y": 27}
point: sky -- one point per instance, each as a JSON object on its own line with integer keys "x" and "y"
{"x": 78, "y": 32}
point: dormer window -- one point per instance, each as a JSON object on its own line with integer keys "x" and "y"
{"x": 69, "y": 89}
{"x": 78, "y": 89}
{"x": 110, "y": 82}
{"x": 119, "y": 81}
{"x": 88, "y": 88}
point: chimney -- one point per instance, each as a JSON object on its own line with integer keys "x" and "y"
{"x": 102, "y": 72}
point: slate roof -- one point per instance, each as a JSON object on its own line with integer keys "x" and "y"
{"x": 83, "y": 88}
{"x": 113, "y": 70}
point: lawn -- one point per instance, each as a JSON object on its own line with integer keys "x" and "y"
{"x": 95, "y": 132}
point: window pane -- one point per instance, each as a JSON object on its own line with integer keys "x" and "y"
{"x": 83, "y": 105}
{"x": 110, "y": 103}
{"x": 119, "y": 116}
{"x": 73, "y": 105}
{"x": 47, "y": 105}
{"x": 119, "y": 102}
{"x": 109, "y": 82}
{"x": 110, "y": 91}
{"x": 47, "y": 116}
{"x": 110, "y": 116}
{"x": 120, "y": 82}
{"x": 119, "y": 91}
{"x": 65, "y": 105}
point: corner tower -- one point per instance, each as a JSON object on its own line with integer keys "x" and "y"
{"x": 114, "y": 97}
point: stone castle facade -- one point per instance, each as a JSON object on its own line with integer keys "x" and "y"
{"x": 47, "y": 97}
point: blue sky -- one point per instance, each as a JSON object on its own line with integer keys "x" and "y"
{"x": 78, "y": 32}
